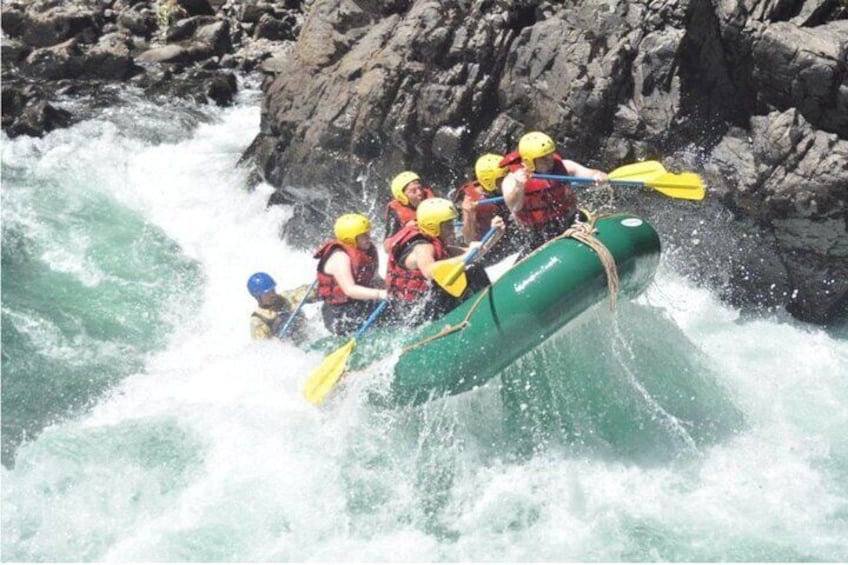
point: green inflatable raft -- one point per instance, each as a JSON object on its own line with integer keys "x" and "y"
{"x": 527, "y": 305}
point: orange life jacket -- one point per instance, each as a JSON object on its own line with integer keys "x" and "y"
{"x": 363, "y": 265}
{"x": 408, "y": 284}
{"x": 545, "y": 201}
{"x": 404, "y": 212}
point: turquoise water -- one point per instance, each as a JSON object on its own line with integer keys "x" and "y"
{"x": 140, "y": 423}
{"x": 89, "y": 290}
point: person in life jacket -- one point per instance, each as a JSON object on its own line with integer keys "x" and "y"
{"x": 546, "y": 208}
{"x": 476, "y": 217}
{"x": 274, "y": 309}
{"x": 347, "y": 275}
{"x": 407, "y": 194}
{"x": 413, "y": 252}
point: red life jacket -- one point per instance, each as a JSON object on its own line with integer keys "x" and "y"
{"x": 510, "y": 159}
{"x": 404, "y": 212}
{"x": 403, "y": 283}
{"x": 545, "y": 201}
{"x": 363, "y": 265}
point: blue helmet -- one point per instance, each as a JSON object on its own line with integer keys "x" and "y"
{"x": 260, "y": 283}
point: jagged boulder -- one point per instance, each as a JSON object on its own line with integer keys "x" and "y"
{"x": 191, "y": 40}
{"x": 790, "y": 179}
{"x": 25, "y": 113}
{"x": 42, "y": 24}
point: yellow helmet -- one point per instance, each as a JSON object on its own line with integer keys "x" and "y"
{"x": 432, "y": 212}
{"x": 534, "y": 145}
{"x": 488, "y": 170}
{"x": 400, "y": 182}
{"x": 349, "y": 226}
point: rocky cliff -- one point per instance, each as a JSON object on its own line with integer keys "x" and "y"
{"x": 55, "y": 50}
{"x": 753, "y": 94}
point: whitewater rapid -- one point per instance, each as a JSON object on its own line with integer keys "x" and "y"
{"x": 198, "y": 446}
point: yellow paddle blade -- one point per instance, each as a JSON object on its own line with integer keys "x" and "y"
{"x": 450, "y": 275}
{"x": 643, "y": 171}
{"x": 688, "y": 186}
{"x": 327, "y": 374}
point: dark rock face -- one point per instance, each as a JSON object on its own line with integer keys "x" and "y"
{"x": 791, "y": 179}
{"x": 753, "y": 93}
{"x": 174, "y": 48}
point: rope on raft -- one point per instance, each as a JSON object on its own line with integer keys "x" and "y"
{"x": 584, "y": 232}
{"x": 447, "y": 330}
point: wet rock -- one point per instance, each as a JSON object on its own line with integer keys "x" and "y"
{"x": 199, "y": 85}
{"x": 806, "y": 69}
{"x": 790, "y": 179}
{"x": 24, "y": 113}
{"x": 269, "y": 27}
{"x": 109, "y": 60}
{"x": 139, "y": 21}
{"x": 56, "y": 62}
{"x": 169, "y": 48}
{"x": 13, "y": 52}
{"x": 164, "y": 54}
{"x": 197, "y": 7}
{"x": 43, "y": 24}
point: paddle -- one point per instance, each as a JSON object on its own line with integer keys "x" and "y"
{"x": 639, "y": 171}
{"x": 327, "y": 374}
{"x": 687, "y": 186}
{"x": 287, "y": 325}
{"x": 450, "y": 273}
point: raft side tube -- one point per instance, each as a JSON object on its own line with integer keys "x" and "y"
{"x": 522, "y": 309}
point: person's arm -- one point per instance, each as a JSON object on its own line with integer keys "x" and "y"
{"x": 513, "y": 189}
{"x": 498, "y": 224}
{"x": 575, "y": 169}
{"x": 392, "y": 227}
{"x": 469, "y": 219}
{"x": 422, "y": 257}
{"x": 295, "y": 295}
{"x": 338, "y": 265}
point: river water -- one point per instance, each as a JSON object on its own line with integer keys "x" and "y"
{"x": 140, "y": 423}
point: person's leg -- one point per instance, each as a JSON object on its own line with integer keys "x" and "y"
{"x": 342, "y": 319}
